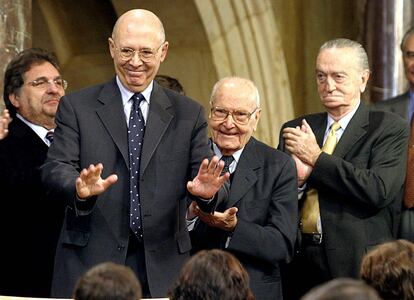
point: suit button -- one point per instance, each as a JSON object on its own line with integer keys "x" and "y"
{"x": 121, "y": 247}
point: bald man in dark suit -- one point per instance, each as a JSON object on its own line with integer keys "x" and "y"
{"x": 136, "y": 218}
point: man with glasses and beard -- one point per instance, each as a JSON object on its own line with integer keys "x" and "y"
{"x": 30, "y": 221}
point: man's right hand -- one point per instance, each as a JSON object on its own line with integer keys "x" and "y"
{"x": 90, "y": 183}
{"x": 4, "y": 123}
{"x": 303, "y": 170}
{"x": 209, "y": 179}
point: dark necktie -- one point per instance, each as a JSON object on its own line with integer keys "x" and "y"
{"x": 136, "y": 130}
{"x": 49, "y": 136}
{"x": 228, "y": 159}
{"x": 409, "y": 179}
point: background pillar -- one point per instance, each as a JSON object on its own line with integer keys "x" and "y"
{"x": 15, "y": 32}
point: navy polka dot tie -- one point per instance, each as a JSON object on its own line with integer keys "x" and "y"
{"x": 136, "y": 132}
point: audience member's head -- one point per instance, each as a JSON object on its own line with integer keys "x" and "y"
{"x": 170, "y": 83}
{"x": 342, "y": 289}
{"x": 108, "y": 281}
{"x": 389, "y": 268}
{"x": 212, "y": 275}
{"x": 33, "y": 86}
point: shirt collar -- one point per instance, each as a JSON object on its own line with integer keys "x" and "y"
{"x": 127, "y": 94}
{"x": 236, "y": 155}
{"x": 39, "y": 130}
{"x": 344, "y": 121}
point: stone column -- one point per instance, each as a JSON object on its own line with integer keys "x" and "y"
{"x": 385, "y": 24}
{"x": 244, "y": 40}
{"x": 15, "y": 32}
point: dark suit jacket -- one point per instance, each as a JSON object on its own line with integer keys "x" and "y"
{"x": 29, "y": 221}
{"x": 264, "y": 189}
{"x": 359, "y": 185}
{"x": 91, "y": 129}
{"x": 397, "y": 105}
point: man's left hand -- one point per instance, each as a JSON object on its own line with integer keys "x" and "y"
{"x": 226, "y": 220}
{"x": 301, "y": 141}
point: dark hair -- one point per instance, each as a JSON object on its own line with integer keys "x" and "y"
{"x": 389, "y": 268}
{"x": 108, "y": 281}
{"x": 211, "y": 275}
{"x": 169, "y": 83}
{"x": 342, "y": 289}
{"x": 18, "y": 66}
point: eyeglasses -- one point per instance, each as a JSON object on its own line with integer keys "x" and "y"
{"x": 409, "y": 54}
{"x": 144, "y": 54}
{"x": 239, "y": 117}
{"x": 43, "y": 83}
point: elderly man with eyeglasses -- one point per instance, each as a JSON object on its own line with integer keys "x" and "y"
{"x": 30, "y": 221}
{"x": 124, "y": 155}
{"x": 258, "y": 221}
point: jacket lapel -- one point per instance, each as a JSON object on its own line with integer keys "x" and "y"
{"x": 318, "y": 125}
{"x": 355, "y": 130}
{"x": 113, "y": 117}
{"x": 245, "y": 175}
{"x": 157, "y": 123}
{"x": 401, "y": 107}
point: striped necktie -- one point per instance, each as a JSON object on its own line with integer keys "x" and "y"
{"x": 228, "y": 159}
{"x": 49, "y": 136}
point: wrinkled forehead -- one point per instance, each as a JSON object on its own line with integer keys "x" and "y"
{"x": 337, "y": 60}
{"x": 234, "y": 98}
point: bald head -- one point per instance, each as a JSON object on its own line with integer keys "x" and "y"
{"x": 138, "y": 47}
{"x": 242, "y": 87}
{"x": 139, "y": 17}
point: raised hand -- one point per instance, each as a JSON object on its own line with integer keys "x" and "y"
{"x": 5, "y": 120}
{"x": 90, "y": 183}
{"x": 208, "y": 180}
